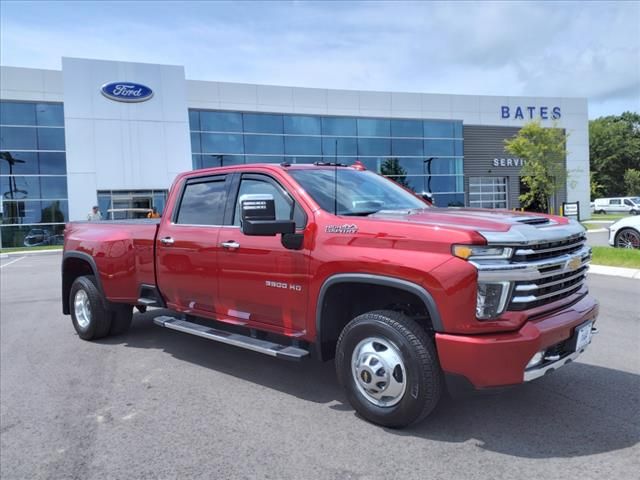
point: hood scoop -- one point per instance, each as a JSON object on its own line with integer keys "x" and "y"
{"x": 534, "y": 220}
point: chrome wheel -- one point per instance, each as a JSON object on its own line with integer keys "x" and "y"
{"x": 378, "y": 371}
{"x": 82, "y": 309}
{"x": 628, "y": 239}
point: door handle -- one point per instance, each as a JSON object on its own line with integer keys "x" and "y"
{"x": 230, "y": 245}
{"x": 167, "y": 241}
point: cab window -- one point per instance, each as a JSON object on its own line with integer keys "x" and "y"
{"x": 202, "y": 202}
{"x": 286, "y": 207}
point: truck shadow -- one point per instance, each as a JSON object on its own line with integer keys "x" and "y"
{"x": 578, "y": 411}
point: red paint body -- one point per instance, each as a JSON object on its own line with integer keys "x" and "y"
{"x": 196, "y": 275}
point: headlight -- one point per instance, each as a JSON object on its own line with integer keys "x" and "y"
{"x": 491, "y": 299}
{"x": 481, "y": 252}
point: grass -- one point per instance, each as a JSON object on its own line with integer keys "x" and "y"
{"x": 594, "y": 226}
{"x": 609, "y": 216}
{"x": 616, "y": 257}
{"x": 31, "y": 249}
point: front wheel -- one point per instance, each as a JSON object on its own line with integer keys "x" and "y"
{"x": 627, "y": 238}
{"x": 389, "y": 369}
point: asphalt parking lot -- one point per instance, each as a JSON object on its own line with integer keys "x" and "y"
{"x": 159, "y": 404}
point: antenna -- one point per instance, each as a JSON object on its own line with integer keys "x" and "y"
{"x": 335, "y": 182}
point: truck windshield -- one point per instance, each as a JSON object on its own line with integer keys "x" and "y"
{"x": 359, "y": 192}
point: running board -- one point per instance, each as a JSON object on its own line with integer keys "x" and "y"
{"x": 261, "y": 346}
{"x": 147, "y": 302}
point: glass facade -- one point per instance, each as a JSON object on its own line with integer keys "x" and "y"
{"x": 423, "y": 155}
{"x": 128, "y": 204}
{"x": 33, "y": 182}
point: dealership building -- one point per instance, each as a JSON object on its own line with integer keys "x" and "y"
{"x": 115, "y": 134}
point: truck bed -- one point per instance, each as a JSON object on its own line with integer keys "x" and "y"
{"x": 123, "y": 251}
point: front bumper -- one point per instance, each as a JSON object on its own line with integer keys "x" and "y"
{"x": 501, "y": 359}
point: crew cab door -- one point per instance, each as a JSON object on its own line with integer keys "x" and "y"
{"x": 261, "y": 281}
{"x": 186, "y": 247}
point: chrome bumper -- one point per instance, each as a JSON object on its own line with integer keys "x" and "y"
{"x": 541, "y": 371}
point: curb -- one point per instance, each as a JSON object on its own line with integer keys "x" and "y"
{"x": 597, "y": 230}
{"x": 615, "y": 271}
{"x": 37, "y": 252}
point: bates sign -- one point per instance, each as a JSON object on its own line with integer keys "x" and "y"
{"x": 126, "y": 92}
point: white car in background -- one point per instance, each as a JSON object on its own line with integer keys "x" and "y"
{"x": 625, "y": 233}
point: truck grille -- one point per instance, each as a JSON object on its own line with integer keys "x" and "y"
{"x": 549, "y": 250}
{"x": 555, "y": 279}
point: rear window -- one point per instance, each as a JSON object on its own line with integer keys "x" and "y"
{"x": 202, "y": 203}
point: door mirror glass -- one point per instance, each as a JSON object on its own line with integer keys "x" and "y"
{"x": 258, "y": 216}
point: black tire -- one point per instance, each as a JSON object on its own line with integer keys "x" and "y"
{"x": 100, "y": 316}
{"x": 601, "y": 212}
{"x": 627, "y": 238}
{"x": 423, "y": 377}
{"x": 121, "y": 316}
{"x": 634, "y": 212}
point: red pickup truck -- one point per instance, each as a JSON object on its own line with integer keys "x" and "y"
{"x": 344, "y": 264}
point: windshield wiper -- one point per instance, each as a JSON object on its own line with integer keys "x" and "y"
{"x": 362, "y": 213}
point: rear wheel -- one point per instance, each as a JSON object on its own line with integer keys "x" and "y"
{"x": 627, "y": 238}
{"x": 89, "y": 313}
{"x": 389, "y": 369}
{"x": 601, "y": 212}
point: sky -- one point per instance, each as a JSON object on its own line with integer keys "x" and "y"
{"x": 574, "y": 49}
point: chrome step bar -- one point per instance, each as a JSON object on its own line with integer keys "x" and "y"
{"x": 261, "y": 346}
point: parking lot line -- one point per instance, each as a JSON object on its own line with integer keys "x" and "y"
{"x": 12, "y": 261}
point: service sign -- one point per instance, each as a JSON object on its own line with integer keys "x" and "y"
{"x": 128, "y": 92}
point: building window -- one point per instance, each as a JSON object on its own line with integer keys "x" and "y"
{"x": 130, "y": 204}
{"x": 424, "y": 155}
{"x": 33, "y": 174}
{"x": 488, "y": 192}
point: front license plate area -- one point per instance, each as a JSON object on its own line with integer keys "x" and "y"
{"x": 582, "y": 335}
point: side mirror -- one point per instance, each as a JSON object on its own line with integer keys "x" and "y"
{"x": 427, "y": 197}
{"x": 259, "y": 216}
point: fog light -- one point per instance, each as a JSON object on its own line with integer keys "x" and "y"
{"x": 491, "y": 299}
{"x": 536, "y": 359}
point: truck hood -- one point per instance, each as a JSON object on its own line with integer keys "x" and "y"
{"x": 503, "y": 226}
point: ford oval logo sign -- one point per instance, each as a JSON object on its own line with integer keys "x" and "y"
{"x": 126, "y": 91}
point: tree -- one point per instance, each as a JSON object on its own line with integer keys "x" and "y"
{"x": 632, "y": 182}
{"x": 614, "y": 148}
{"x": 596, "y": 188}
{"x": 392, "y": 168}
{"x": 543, "y": 172}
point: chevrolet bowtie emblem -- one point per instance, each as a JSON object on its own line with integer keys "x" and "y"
{"x": 574, "y": 263}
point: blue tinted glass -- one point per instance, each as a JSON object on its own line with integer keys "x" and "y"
{"x": 372, "y": 164}
{"x": 221, "y": 143}
{"x": 23, "y": 211}
{"x": 18, "y": 162}
{"x": 449, "y": 199}
{"x": 208, "y": 161}
{"x": 307, "y": 160}
{"x": 413, "y": 183}
{"x": 262, "y": 123}
{"x": 194, "y": 120}
{"x": 54, "y": 211}
{"x": 302, "y": 145}
{"x": 232, "y": 160}
{"x": 264, "y": 144}
{"x": 53, "y": 163}
{"x": 458, "y": 147}
{"x": 346, "y": 146}
{"x": 32, "y": 235}
{"x": 19, "y": 187}
{"x": 221, "y": 121}
{"x": 374, "y": 146}
{"x": 438, "y": 129}
{"x": 51, "y": 138}
{"x": 339, "y": 126}
{"x": 412, "y": 166}
{"x": 457, "y": 129}
{"x": 407, "y": 148}
{"x": 406, "y": 128}
{"x": 444, "y": 166}
{"x": 21, "y": 138}
{"x": 50, "y": 114}
{"x": 15, "y": 113}
{"x": 439, "y": 148}
{"x": 374, "y": 127}
{"x": 195, "y": 142}
{"x": 53, "y": 187}
{"x": 196, "y": 161}
{"x": 302, "y": 124}
{"x": 447, "y": 183}
{"x": 264, "y": 159}
{"x": 159, "y": 201}
{"x": 343, "y": 160}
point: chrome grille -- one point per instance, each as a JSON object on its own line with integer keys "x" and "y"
{"x": 541, "y": 251}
